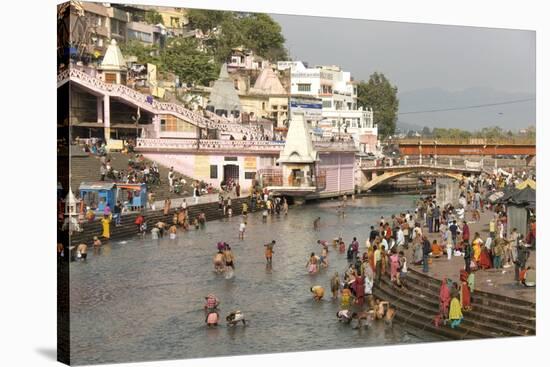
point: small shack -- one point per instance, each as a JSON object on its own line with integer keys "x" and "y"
{"x": 520, "y": 206}
{"x": 97, "y": 195}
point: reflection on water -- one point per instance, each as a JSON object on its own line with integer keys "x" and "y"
{"x": 142, "y": 299}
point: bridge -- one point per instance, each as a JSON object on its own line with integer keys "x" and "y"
{"x": 472, "y": 147}
{"x": 374, "y": 176}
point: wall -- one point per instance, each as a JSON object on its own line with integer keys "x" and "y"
{"x": 198, "y": 166}
{"x": 446, "y": 191}
{"x": 340, "y": 172}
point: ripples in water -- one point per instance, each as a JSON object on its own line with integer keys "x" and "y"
{"x": 142, "y": 299}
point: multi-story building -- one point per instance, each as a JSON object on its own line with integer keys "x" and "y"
{"x": 338, "y": 95}
{"x": 243, "y": 59}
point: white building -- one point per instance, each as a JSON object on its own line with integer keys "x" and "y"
{"x": 338, "y": 95}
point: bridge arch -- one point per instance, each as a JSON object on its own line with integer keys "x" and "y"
{"x": 390, "y": 175}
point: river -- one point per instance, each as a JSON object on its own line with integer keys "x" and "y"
{"x": 141, "y": 299}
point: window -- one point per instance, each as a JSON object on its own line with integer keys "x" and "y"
{"x": 326, "y": 89}
{"x": 274, "y": 107}
{"x": 162, "y": 125}
{"x": 230, "y": 159}
{"x": 263, "y": 105}
{"x": 110, "y": 78}
{"x": 213, "y": 171}
{"x": 327, "y": 104}
{"x": 304, "y": 87}
{"x": 249, "y": 175}
{"x": 236, "y": 84}
{"x": 174, "y": 22}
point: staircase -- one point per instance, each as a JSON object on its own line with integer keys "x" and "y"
{"x": 86, "y": 168}
{"x": 128, "y": 229}
{"x": 492, "y": 315}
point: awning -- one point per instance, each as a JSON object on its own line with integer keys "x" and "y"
{"x": 96, "y": 185}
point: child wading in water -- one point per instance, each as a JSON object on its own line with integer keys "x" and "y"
{"x": 311, "y": 264}
{"x": 269, "y": 252}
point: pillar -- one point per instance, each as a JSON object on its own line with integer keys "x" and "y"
{"x": 99, "y": 110}
{"x": 107, "y": 117}
{"x": 450, "y": 162}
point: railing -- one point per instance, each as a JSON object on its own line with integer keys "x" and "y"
{"x": 274, "y": 177}
{"x": 462, "y": 166}
{"x": 210, "y": 144}
{"x": 143, "y": 100}
{"x": 335, "y": 145}
{"x": 466, "y": 141}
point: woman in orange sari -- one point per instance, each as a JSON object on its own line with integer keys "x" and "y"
{"x": 370, "y": 255}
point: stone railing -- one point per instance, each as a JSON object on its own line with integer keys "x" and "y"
{"x": 335, "y": 146}
{"x": 209, "y": 144}
{"x": 157, "y": 107}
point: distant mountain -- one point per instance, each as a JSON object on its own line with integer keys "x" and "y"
{"x": 513, "y": 116}
{"x": 405, "y": 127}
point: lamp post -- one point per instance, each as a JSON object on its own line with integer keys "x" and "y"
{"x": 496, "y": 166}
{"x": 435, "y": 155}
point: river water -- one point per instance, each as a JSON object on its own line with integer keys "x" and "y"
{"x": 142, "y": 299}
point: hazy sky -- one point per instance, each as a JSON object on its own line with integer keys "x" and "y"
{"x": 433, "y": 66}
{"x": 416, "y": 56}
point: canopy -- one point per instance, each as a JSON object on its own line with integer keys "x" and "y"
{"x": 526, "y": 197}
{"x": 96, "y": 186}
{"x": 527, "y": 183}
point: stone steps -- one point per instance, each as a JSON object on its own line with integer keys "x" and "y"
{"x": 418, "y": 302}
{"x": 86, "y": 168}
{"x": 424, "y": 312}
{"x": 512, "y": 320}
{"x": 128, "y": 229}
{"x": 409, "y": 314}
{"x": 508, "y": 304}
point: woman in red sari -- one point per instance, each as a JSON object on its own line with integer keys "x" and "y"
{"x": 359, "y": 290}
{"x": 444, "y": 299}
{"x": 485, "y": 258}
{"x": 465, "y": 301}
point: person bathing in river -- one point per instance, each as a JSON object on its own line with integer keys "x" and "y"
{"x": 269, "y": 252}
{"x": 318, "y": 292}
{"x": 363, "y": 315}
{"x": 219, "y": 262}
{"x": 335, "y": 285}
{"x": 172, "y": 231}
{"x": 345, "y": 302}
{"x": 344, "y": 316}
{"x": 311, "y": 264}
{"x": 317, "y": 224}
{"x": 324, "y": 257}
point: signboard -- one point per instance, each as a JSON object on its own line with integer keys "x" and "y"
{"x": 250, "y": 163}
{"x": 312, "y": 108}
{"x": 202, "y": 166}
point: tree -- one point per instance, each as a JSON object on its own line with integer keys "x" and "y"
{"x": 381, "y": 96}
{"x": 183, "y": 57}
{"x": 144, "y": 54}
{"x": 153, "y": 17}
{"x": 263, "y": 35}
{"x": 206, "y": 20}
{"x": 426, "y": 132}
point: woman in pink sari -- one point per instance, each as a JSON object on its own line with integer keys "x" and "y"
{"x": 444, "y": 299}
